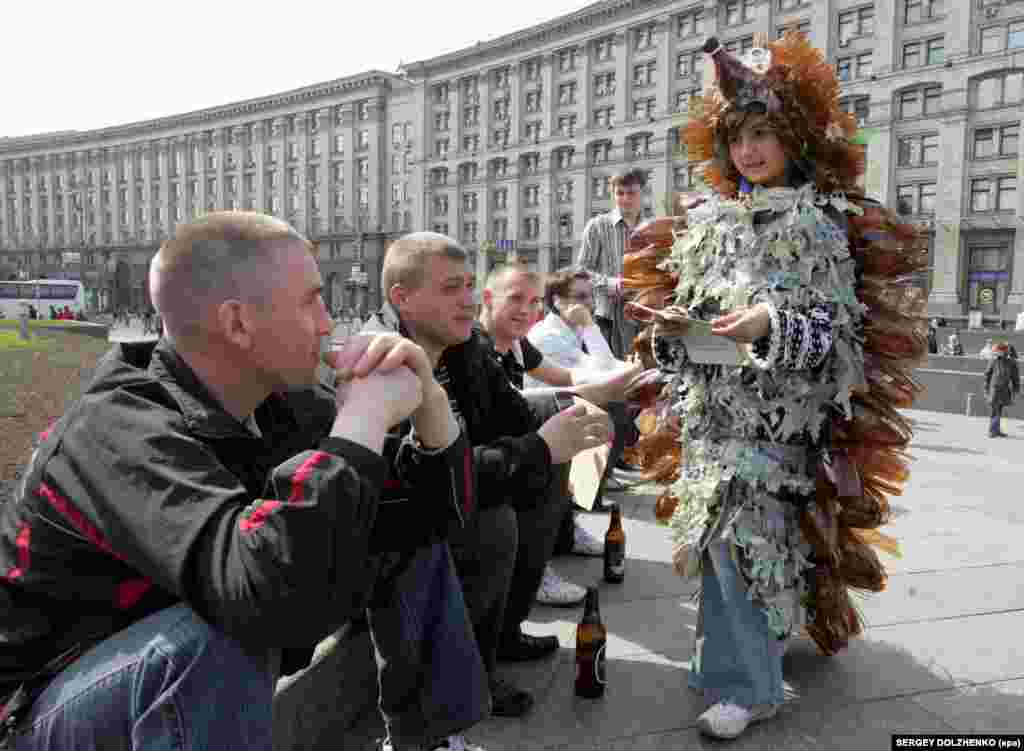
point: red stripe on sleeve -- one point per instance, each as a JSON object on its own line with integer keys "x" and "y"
{"x": 22, "y": 545}
{"x": 256, "y": 519}
{"x": 302, "y": 474}
{"x": 63, "y": 507}
{"x": 130, "y": 591}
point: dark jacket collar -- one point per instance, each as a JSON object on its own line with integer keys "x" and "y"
{"x": 204, "y": 415}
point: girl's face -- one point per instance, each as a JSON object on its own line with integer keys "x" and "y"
{"x": 757, "y": 152}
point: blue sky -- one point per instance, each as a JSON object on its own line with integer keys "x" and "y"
{"x": 77, "y": 66}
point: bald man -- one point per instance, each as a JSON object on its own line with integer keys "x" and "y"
{"x": 207, "y": 503}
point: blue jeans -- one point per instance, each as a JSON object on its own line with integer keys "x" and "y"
{"x": 737, "y": 659}
{"x": 994, "y": 427}
{"x": 169, "y": 681}
{"x": 429, "y": 670}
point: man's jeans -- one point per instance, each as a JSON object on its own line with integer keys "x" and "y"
{"x": 169, "y": 681}
{"x": 994, "y": 427}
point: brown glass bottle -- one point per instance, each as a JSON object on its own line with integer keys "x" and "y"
{"x": 615, "y": 548}
{"x": 590, "y": 644}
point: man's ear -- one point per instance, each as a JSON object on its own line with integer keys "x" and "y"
{"x": 235, "y": 323}
{"x": 397, "y": 295}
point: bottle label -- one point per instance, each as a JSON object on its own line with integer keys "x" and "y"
{"x": 599, "y": 669}
{"x": 615, "y": 562}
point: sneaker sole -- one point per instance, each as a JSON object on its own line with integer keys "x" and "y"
{"x": 703, "y": 727}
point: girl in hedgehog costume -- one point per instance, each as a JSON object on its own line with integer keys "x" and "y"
{"x": 783, "y": 463}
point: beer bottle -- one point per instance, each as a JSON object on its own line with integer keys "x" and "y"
{"x": 615, "y": 549}
{"x": 590, "y": 642}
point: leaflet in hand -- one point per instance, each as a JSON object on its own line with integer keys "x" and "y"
{"x": 711, "y": 349}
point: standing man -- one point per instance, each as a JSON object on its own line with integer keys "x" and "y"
{"x": 1002, "y": 384}
{"x": 501, "y": 552}
{"x": 601, "y": 253}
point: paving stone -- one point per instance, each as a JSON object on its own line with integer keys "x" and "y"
{"x": 990, "y": 708}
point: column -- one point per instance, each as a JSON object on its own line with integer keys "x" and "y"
{"x": 584, "y": 84}
{"x": 945, "y": 294}
{"x": 549, "y": 94}
{"x": 547, "y": 231}
{"x": 821, "y": 36}
{"x": 35, "y": 196}
{"x": 220, "y": 148}
{"x": 203, "y": 141}
{"x": 116, "y": 168}
{"x": 957, "y": 34}
{"x": 623, "y": 75}
{"x": 5, "y": 221}
{"x": 883, "y": 58}
{"x": 64, "y": 165}
{"x": 515, "y": 103}
{"x": 1016, "y": 297}
{"x": 129, "y": 153}
{"x": 879, "y": 162}
{"x": 301, "y": 134}
{"x": 456, "y": 102}
{"x": 665, "y": 73}
{"x": 319, "y": 133}
{"x": 483, "y": 90}
{"x": 164, "y": 154}
{"x": 351, "y": 185}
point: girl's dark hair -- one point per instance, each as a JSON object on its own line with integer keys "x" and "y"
{"x": 559, "y": 282}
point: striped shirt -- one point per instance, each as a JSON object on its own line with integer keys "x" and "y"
{"x": 601, "y": 251}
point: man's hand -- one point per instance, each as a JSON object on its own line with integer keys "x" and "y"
{"x": 745, "y": 325}
{"x": 574, "y": 430}
{"x": 610, "y": 388}
{"x": 365, "y": 353}
{"x": 579, "y": 316}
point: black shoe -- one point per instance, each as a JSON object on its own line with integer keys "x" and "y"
{"x": 601, "y": 506}
{"x": 526, "y": 647}
{"x": 507, "y": 700}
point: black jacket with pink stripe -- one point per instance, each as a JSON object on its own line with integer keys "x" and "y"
{"x": 147, "y": 493}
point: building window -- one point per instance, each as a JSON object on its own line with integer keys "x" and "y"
{"x": 738, "y": 12}
{"x": 567, "y": 93}
{"x": 471, "y": 116}
{"x": 531, "y": 68}
{"x": 501, "y": 78}
{"x": 740, "y": 46}
{"x": 997, "y": 141}
{"x": 500, "y": 137}
{"x": 790, "y": 4}
{"x": 441, "y": 148}
{"x": 364, "y": 198}
{"x": 469, "y": 202}
{"x": 854, "y": 67}
{"x": 363, "y": 168}
{"x": 500, "y": 198}
{"x": 441, "y": 120}
{"x": 564, "y": 158}
{"x": 924, "y": 52}
{"x": 531, "y": 130}
{"x": 293, "y": 180}
{"x": 499, "y": 167}
{"x": 858, "y": 106}
{"x": 643, "y": 108}
{"x": 531, "y": 195}
{"x": 603, "y": 49}
{"x": 917, "y": 198}
{"x": 531, "y": 227}
{"x": 599, "y": 187}
{"x": 471, "y": 143}
{"x": 396, "y": 164}
{"x": 499, "y": 230}
{"x": 469, "y": 232}
{"x": 921, "y": 101}
{"x": 801, "y": 27}
{"x": 856, "y": 23}
{"x": 604, "y": 116}
{"x": 530, "y": 163}
{"x": 440, "y": 204}
{"x": 689, "y": 63}
{"x": 567, "y": 60}
{"x": 684, "y": 176}
{"x": 1015, "y": 35}
{"x": 567, "y": 125}
{"x": 470, "y": 88}
{"x": 468, "y": 172}
{"x": 917, "y": 151}
{"x": 441, "y": 93}
{"x": 533, "y": 101}
{"x": 501, "y": 109}
{"x": 643, "y": 38}
{"x": 604, "y": 84}
{"x": 565, "y": 191}
{"x": 993, "y": 194}
{"x": 565, "y": 227}
{"x": 600, "y": 153}
{"x": 998, "y": 91}
{"x": 915, "y": 11}
{"x": 338, "y": 171}
{"x": 683, "y": 99}
{"x": 690, "y": 24}
{"x": 643, "y": 74}
{"x": 362, "y": 111}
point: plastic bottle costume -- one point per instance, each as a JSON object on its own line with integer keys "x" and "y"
{"x": 784, "y": 464}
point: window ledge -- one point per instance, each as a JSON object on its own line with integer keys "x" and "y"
{"x": 924, "y": 22}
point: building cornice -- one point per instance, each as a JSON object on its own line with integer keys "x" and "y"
{"x": 596, "y": 14}
{"x": 198, "y": 118}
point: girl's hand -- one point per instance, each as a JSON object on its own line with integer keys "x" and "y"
{"x": 744, "y": 325}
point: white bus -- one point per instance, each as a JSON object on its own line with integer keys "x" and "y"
{"x": 16, "y": 297}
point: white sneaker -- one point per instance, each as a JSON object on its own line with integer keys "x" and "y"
{"x": 554, "y": 590}
{"x": 457, "y": 743}
{"x": 584, "y": 543}
{"x": 728, "y": 720}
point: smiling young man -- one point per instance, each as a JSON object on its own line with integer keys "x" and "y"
{"x": 501, "y": 552}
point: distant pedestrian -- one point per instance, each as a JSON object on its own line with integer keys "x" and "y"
{"x": 1002, "y": 384}
{"x": 933, "y": 340}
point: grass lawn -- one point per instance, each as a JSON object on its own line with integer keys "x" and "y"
{"x": 38, "y": 379}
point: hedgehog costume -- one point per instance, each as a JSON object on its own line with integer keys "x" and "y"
{"x": 782, "y": 464}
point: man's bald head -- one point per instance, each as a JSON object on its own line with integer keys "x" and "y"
{"x": 405, "y": 262}
{"x": 503, "y": 272}
{"x": 224, "y": 255}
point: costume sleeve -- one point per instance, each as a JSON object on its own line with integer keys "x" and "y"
{"x": 532, "y": 357}
{"x": 556, "y": 347}
{"x": 988, "y": 374}
{"x": 797, "y": 341}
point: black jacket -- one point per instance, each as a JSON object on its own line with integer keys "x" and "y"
{"x": 512, "y": 463}
{"x": 147, "y": 493}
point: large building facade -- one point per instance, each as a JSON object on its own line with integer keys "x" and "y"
{"x": 510, "y": 143}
